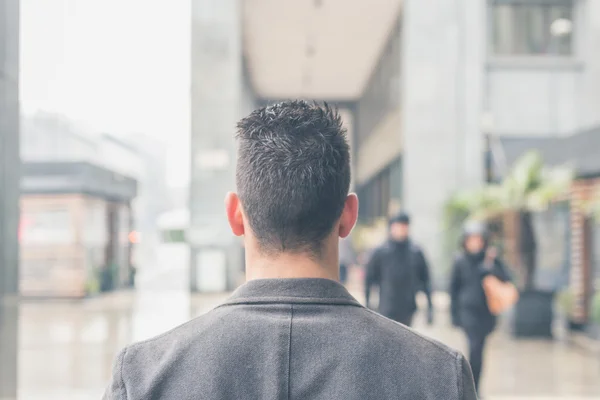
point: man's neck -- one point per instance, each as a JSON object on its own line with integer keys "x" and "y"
{"x": 289, "y": 266}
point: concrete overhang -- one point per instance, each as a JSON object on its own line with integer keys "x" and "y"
{"x": 319, "y": 49}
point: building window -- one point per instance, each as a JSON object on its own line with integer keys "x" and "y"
{"x": 532, "y": 27}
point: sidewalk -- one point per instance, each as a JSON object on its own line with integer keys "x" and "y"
{"x": 80, "y": 339}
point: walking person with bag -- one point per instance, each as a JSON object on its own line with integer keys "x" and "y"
{"x": 480, "y": 289}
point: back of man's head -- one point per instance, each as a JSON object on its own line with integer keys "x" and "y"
{"x": 293, "y": 175}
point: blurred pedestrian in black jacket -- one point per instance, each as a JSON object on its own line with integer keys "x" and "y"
{"x": 400, "y": 270}
{"x": 468, "y": 302}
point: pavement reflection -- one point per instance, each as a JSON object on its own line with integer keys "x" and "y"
{"x": 9, "y": 324}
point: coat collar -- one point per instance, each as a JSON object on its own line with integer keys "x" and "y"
{"x": 300, "y": 290}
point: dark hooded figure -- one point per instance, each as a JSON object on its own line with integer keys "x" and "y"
{"x": 468, "y": 303}
{"x": 400, "y": 270}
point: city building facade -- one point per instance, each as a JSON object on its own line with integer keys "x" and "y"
{"x": 427, "y": 87}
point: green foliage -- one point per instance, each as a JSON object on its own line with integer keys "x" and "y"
{"x": 528, "y": 186}
{"x": 523, "y": 178}
{"x": 92, "y": 284}
{"x": 174, "y": 236}
{"x": 565, "y": 301}
{"x": 458, "y": 209}
{"x": 595, "y": 311}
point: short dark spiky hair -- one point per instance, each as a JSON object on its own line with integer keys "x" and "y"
{"x": 293, "y": 174}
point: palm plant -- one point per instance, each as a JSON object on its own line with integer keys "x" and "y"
{"x": 595, "y": 312}
{"x": 529, "y": 187}
{"x": 477, "y": 203}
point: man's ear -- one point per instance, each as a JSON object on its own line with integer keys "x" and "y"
{"x": 233, "y": 207}
{"x": 349, "y": 215}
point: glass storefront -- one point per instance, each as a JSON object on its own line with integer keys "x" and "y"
{"x": 73, "y": 245}
{"x": 553, "y": 247}
{"x": 50, "y": 258}
{"x": 381, "y": 193}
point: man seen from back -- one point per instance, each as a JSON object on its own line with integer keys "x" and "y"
{"x": 292, "y": 331}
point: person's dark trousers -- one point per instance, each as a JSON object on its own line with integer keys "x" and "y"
{"x": 343, "y": 273}
{"x": 476, "y": 346}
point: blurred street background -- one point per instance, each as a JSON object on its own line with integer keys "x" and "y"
{"x": 117, "y": 122}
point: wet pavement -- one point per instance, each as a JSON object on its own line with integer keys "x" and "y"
{"x": 65, "y": 349}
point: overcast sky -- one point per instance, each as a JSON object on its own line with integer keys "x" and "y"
{"x": 116, "y": 66}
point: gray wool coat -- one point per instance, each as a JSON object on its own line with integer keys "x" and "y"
{"x": 290, "y": 339}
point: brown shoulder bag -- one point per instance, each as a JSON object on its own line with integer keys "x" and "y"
{"x": 500, "y": 296}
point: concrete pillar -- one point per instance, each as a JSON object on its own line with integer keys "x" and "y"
{"x": 9, "y": 145}
{"x": 442, "y": 75}
{"x": 219, "y": 98}
{"x": 9, "y": 194}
